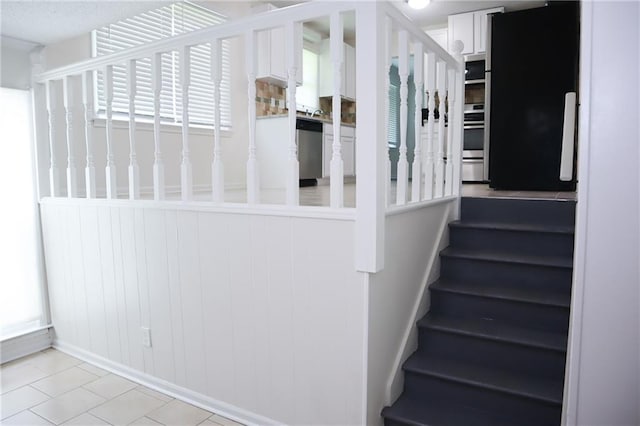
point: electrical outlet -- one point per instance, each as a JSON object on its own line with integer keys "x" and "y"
{"x": 146, "y": 336}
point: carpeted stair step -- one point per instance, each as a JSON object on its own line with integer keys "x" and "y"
{"x": 512, "y": 238}
{"x": 482, "y": 388}
{"x": 549, "y": 272}
{"x": 531, "y": 212}
{"x": 493, "y": 343}
{"x": 519, "y": 306}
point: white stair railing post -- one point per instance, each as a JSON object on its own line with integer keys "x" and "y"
{"x": 431, "y": 89}
{"x": 54, "y": 177}
{"x": 442, "y": 77}
{"x": 72, "y": 173}
{"x": 458, "y": 119}
{"x": 451, "y": 85}
{"x": 293, "y": 168}
{"x": 403, "y": 71}
{"x": 371, "y": 156}
{"x": 253, "y": 178}
{"x": 387, "y": 105}
{"x": 336, "y": 34}
{"x": 158, "y": 165}
{"x": 217, "y": 167}
{"x": 416, "y": 172}
{"x": 110, "y": 169}
{"x": 134, "y": 171}
{"x": 186, "y": 171}
{"x": 87, "y": 100}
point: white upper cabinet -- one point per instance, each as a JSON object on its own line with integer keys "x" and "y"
{"x": 271, "y": 56}
{"x": 471, "y": 29}
{"x": 348, "y": 84}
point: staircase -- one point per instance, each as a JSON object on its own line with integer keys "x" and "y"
{"x": 492, "y": 347}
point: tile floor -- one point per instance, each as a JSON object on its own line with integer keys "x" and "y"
{"x": 52, "y": 388}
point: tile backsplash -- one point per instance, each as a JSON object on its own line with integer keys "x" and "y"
{"x": 271, "y": 100}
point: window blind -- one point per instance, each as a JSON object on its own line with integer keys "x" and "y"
{"x": 393, "y": 134}
{"x": 154, "y": 25}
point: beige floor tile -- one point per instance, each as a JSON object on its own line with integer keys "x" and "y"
{"x": 86, "y": 419}
{"x": 25, "y": 418}
{"x": 53, "y": 361}
{"x": 110, "y": 386}
{"x": 179, "y": 413}
{"x": 127, "y": 407}
{"x": 218, "y": 419}
{"x": 208, "y": 422}
{"x": 145, "y": 421}
{"x": 155, "y": 394}
{"x": 19, "y": 375}
{"x": 20, "y": 399}
{"x": 64, "y": 381}
{"x": 93, "y": 369}
{"x": 68, "y": 405}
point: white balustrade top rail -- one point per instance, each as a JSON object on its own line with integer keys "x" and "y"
{"x": 435, "y": 168}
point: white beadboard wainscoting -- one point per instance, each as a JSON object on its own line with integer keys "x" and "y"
{"x": 259, "y": 316}
{"x": 399, "y": 296}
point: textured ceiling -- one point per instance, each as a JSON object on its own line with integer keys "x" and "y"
{"x": 50, "y": 21}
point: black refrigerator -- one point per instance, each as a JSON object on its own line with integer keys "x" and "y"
{"x": 533, "y": 63}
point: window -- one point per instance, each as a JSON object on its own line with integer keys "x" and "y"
{"x": 393, "y": 133}
{"x": 154, "y": 25}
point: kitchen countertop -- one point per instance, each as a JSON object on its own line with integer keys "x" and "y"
{"x": 306, "y": 117}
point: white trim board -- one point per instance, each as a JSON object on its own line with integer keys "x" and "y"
{"x": 194, "y": 398}
{"x": 26, "y": 344}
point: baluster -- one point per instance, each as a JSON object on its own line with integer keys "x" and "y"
{"x": 134, "y": 171}
{"x": 253, "y": 179}
{"x": 448, "y": 181}
{"x": 458, "y": 117}
{"x": 403, "y": 71}
{"x": 87, "y": 100}
{"x": 217, "y": 167}
{"x": 429, "y": 166}
{"x": 442, "y": 77}
{"x": 158, "y": 164}
{"x": 54, "y": 179}
{"x": 186, "y": 172}
{"x": 336, "y": 34}
{"x": 416, "y": 172}
{"x": 110, "y": 169}
{"x": 293, "y": 172}
{"x": 72, "y": 173}
{"x": 387, "y": 105}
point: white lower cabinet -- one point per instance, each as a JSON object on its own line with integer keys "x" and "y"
{"x": 348, "y": 142}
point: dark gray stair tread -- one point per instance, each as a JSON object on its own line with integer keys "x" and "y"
{"x": 496, "y": 330}
{"x": 513, "y": 293}
{"x": 495, "y": 256}
{"x": 529, "y": 386}
{"x": 441, "y": 413}
{"x": 551, "y": 229}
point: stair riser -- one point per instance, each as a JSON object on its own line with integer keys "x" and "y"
{"x": 547, "y": 278}
{"x": 526, "y": 243}
{"x": 541, "y": 317}
{"x": 539, "y": 212}
{"x": 480, "y": 398}
{"x": 492, "y": 353}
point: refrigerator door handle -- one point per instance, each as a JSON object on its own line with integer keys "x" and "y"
{"x": 568, "y": 137}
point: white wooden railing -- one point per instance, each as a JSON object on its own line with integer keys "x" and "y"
{"x": 435, "y": 170}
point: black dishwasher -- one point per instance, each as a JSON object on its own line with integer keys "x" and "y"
{"x": 309, "y": 140}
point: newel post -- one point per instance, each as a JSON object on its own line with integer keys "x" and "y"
{"x": 371, "y": 156}
{"x": 458, "y": 121}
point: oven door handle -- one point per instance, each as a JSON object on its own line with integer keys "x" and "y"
{"x": 568, "y": 137}
{"x": 477, "y": 126}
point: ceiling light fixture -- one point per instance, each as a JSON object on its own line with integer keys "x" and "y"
{"x": 418, "y": 4}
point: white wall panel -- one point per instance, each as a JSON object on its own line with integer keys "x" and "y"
{"x": 261, "y": 312}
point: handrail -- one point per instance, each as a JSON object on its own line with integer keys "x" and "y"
{"x": 237, "y": 27}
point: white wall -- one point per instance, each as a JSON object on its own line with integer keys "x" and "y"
{"x": 15, "y": 65}
{"x": 398, "y": 297}
{"x": 603, "y": 380}
{"x": 234, "y": 143}
{"x": 263, "y": 313}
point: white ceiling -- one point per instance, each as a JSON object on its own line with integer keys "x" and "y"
{"x": 50, "y": 21}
